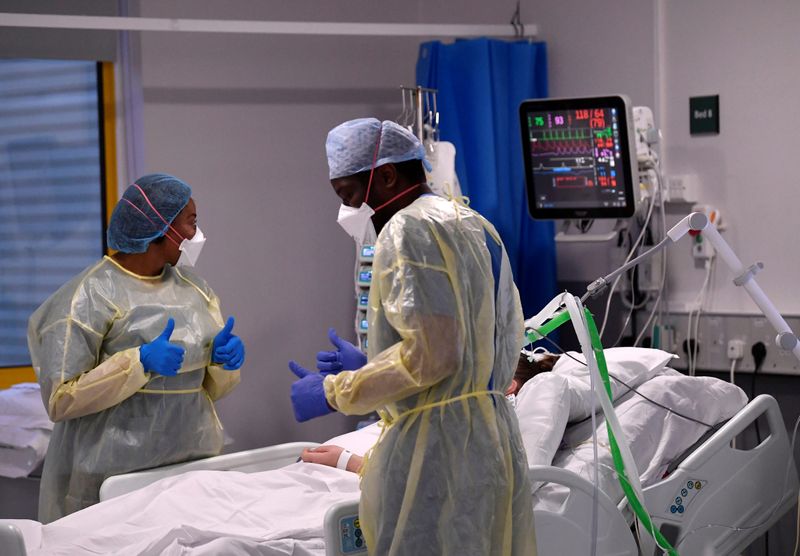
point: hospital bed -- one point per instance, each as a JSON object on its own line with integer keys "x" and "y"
{"x": 730, "y": 488}
{"x": 25, "y": 430}
{"x": 736, "y": 488}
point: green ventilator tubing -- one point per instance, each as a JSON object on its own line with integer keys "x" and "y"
{"x": 636, "y": 505}
{"x": 536, "y": 334}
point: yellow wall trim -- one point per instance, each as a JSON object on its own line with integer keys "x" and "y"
{"x": 109, "y": 137}
{"x": 14, "y": 375}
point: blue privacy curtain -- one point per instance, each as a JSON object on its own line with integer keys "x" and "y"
{"x": 481, "y": 83}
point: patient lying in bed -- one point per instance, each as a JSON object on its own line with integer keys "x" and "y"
{"x": 280, "y": 512}
{"x": 329, "y": 454}
{"x": 554, "y": 410}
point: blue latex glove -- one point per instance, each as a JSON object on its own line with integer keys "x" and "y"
{"x": 160, "y": 356}
{"x": 347, "y": 357}
{"x": 308, "y": 394}
{"x": 228, "y": 349}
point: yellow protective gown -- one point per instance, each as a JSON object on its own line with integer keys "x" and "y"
{"x": 449, "y": 473}
{"x": 111, "y": 416}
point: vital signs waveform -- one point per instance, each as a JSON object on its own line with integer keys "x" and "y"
{"x": 562, "y": 148}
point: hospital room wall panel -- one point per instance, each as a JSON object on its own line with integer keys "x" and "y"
{"x": 661, "y": 53}
{"x": 595, "y": 48}
{"x": 243, "y": 119}
{"x": 745, "y": 52}
{"x": 747, "y": 57}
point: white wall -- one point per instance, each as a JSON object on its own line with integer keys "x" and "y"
{"x": 243, "y": 119}
{"x": 596, "y": 48}
{"x": 745, "y": 52}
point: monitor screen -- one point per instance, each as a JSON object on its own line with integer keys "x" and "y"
{"x": 579, "y": 158}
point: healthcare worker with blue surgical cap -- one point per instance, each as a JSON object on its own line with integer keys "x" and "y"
{"x": 132, "y": 353}
{"x": 449, "y": 473}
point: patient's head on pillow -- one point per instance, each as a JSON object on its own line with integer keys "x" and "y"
{"x": 526, "y": 370}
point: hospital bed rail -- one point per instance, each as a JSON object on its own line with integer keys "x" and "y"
{"x": 248, "y": 461}
{"x": 748, "y": 489}
{"x": 12, "y": 539}
{"x": 739, "y": 488}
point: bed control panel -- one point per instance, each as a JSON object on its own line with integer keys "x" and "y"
{"x": 351, "y": 536}
{"x": 685, "y": 496}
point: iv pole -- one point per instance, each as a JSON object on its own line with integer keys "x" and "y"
{"x": 743, "y": 276}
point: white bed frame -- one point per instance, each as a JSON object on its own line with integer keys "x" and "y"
{"x": 739, "y": 488}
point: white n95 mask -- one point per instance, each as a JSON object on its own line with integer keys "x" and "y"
{"x": 357, "y": 222}
{"x": 190, "y": 249}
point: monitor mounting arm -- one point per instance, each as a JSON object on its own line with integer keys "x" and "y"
{"x": 744, "y": 276}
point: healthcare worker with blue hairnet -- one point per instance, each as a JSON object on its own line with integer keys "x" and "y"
{"x": 448, "y": 474}
{"x": 132, "y": 353}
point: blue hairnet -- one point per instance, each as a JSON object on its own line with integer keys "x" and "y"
{"x": 351, "y": 146}
{"x": 132, "y": 230}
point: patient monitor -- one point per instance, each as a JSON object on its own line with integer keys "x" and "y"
{"x": 580, "y": 158}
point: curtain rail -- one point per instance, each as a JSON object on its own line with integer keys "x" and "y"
{"x": 112, "y": 23}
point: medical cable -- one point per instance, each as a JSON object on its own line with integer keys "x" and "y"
{"x": 692, "y": 348}
{"x": 630, "y": 389}
{"x": 631, "y": 308}
{"x": 628, "y": 258}
{"x": 702, "y": 302}
{"x": 695, "y": 331}
{"x": 657, "y": 304}
{"x": 596, "y": 458}
{"x": 759, "y": 352}
{"x": 797, "y": 529}
{"x": 771, "y": 514}
{"x": 733, "y": 382}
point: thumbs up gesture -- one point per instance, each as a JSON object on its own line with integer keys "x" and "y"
{"x": 347, "y": 357}
{"x": 160, "y": 356}
{"x": 228, "y": 349}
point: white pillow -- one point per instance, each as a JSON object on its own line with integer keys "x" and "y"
{"x": 630, "y": 365}
{"x": 542, "y": 407}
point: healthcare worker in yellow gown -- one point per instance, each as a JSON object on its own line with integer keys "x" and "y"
{"x": 448, "y": 475}
{"x": 132, "y": 353}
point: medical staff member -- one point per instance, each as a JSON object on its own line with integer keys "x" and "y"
{"x": 132, "y": 353}
{"x": 448, "y": 475}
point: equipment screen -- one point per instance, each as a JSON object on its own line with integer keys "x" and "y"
{"x": 578, "y": 158}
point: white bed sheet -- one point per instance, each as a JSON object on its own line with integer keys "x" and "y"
{"x": 25, "y": 430}
{"x": 278, "y": 512}
{"x": 656, "y": 437}
{"x": 281, "y": 512}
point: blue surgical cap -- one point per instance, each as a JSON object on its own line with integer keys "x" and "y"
{"x": 351, "y": 146}
{"x": 132, "y": 230}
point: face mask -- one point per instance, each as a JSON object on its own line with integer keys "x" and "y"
{"x": 357, "y": 222}
{"x": 190, "y": 249}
